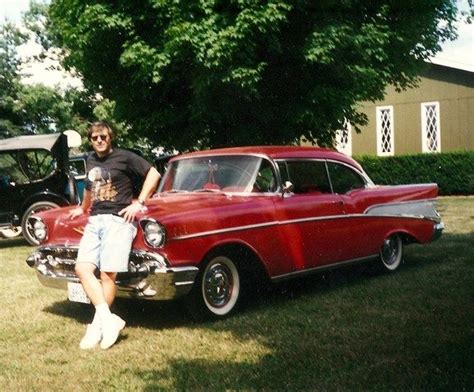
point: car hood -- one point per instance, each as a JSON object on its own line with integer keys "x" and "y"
{"x": 180, "y": 214}
{"x": 188, "y": 214}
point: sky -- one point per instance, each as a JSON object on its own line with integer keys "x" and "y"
{"x": 458, "y": 54}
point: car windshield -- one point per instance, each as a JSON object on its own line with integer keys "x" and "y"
{"x": 231, "y": 173}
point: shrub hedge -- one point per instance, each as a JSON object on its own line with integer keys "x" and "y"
{"x": 453, "y": 171}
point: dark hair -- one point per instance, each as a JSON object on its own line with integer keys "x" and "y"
{"x": 97, "y": 126}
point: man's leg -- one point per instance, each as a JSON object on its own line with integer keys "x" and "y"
{"x": 91, "y": 285}
{"x": 116, "y": 242}
{"x": 108, "y": 286}
{"x": 94, "y": 290}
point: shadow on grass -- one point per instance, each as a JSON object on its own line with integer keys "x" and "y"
{"x": 345, "y": 329}
{"x": 163, "y": 314}
{"x": 143, "y": 314}
{"x": 13, "y": 242}
{"x": 351, "y": 328}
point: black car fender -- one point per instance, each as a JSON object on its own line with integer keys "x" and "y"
{"x": 44, "y": 196}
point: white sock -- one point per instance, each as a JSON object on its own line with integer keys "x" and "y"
{"x": 96, "y": 319}
{"x": 102, "y": 313}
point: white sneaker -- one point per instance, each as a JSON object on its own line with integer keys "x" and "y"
{"x": 91, "y": 338}
{"x": 110, "y": 331}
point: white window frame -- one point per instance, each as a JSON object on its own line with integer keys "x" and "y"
{"x": 424, "y": 131}
{"x": 347, "y": 148}
{"x": 380, "y": 151}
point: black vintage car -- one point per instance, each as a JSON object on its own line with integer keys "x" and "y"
{"x": 34, "y": 176}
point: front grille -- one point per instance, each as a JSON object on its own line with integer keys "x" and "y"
{"x": 63, "y": 259}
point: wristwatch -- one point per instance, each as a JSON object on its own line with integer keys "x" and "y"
{"x": 141, "y": 201}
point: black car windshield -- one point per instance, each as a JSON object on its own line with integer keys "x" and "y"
{"x": 230, "y": 173}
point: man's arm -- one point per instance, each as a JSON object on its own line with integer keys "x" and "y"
{"x": 149, "y": 186}
{"x": 86, "y": 203}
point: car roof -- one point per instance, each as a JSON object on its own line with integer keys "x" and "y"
{"x": 277, "y": 152}
{"x": 28, "y": 142}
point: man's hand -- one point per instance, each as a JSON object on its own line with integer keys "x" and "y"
{"x": 129, "y": 212}
{"x": 75, "y": 212}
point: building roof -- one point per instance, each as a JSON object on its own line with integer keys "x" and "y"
{"x": 453, "y": 64}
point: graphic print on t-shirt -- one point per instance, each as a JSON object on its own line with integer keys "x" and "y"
{"x": 102, "y": 188}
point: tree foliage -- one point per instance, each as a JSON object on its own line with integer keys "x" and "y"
{"x": 10, "y": 119}
{"x": 36, "y": 108}
{"x": 235, "y": 72}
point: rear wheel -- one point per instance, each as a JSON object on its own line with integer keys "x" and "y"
{"x": 26, "y": 226}
{"x": 217, "y": 291}
{"x": 391, "y": 252}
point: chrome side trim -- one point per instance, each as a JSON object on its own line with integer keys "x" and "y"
{"x": 309, "y": 271}
{"x": 293, "y": 221}
{"x": 417, "y": 208}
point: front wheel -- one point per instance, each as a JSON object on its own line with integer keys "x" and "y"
{"x": 26, "y": 226}
{"x": 391, "y": 252}
{"x": 217, "y": 290}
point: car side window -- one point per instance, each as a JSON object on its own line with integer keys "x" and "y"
{"x": 344, "y": 179}
{"x": 37, "y": 164}
{"x": 11, "y": 172}
{"x": 283, "y": 172}
{"x": 308, "y": 176}
{"x": 77, "y": 167}
{"x": 265, "y": 180}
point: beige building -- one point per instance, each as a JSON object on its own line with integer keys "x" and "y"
{"x": 437, "y": 116}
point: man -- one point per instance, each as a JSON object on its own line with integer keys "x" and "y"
{"x": 110, "y": 230}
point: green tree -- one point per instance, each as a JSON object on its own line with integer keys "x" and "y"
{"x": 10, "y": 119}
{"x": 225, "y": 72}
{"x": 36, "y": 108}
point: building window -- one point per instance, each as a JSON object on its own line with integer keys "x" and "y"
{"x": 344, "y": 139}
{"x": 385, "y": 138}
{"x": 430, "y": 130}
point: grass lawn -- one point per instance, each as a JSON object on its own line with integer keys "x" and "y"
{"x": 350, "y": 329}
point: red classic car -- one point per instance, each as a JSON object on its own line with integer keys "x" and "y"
{"x": 223, "y": 219}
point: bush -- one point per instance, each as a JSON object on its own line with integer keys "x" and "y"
{"x": 453, "y": 172}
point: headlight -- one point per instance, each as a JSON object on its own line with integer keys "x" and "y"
{"x": 154, "y": 233}
{"x": 40, "y": 231}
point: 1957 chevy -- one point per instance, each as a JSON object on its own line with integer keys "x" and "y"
{"x": 224, "y": 219}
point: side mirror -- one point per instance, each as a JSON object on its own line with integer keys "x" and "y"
{"x": 287, "y": 188}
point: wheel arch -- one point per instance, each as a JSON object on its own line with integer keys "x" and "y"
{"x": 406, "y": 236}
{"x": 243, "y": 254}
{"x": 45, "y": 197}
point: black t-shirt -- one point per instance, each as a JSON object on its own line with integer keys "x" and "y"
{"x": 110, "y": 180}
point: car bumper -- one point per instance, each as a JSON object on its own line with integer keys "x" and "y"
{"x": 437, "y": 231}
{"x": 149, "y": 276}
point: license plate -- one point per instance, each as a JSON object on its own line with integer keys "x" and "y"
{"x": 76, "y": 293}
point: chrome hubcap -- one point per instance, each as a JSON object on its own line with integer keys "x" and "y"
{"x": 218, "y": 285}
{"x": 390, "y": 250}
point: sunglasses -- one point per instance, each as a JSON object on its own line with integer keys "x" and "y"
{"x": 102, "y": 137}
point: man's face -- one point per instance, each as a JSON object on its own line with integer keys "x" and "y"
{"x": 101, "y": 142}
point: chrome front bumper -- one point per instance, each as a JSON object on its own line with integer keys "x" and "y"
{"x": 149, "y": 276}
{"x": 437, "y": 231}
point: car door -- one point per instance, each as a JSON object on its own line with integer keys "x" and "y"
{"x": 358, "y": 232}
{"x": 12, "y": 181}
{"x": 311, "y": 215}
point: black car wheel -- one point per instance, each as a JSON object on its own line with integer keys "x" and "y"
{"x": 217, "y": 290}
{"x": 391, "y": 252}
{"x": 26, "y": 226}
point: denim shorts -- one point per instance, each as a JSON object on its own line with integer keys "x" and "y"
{"x": 107, "y": 242}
